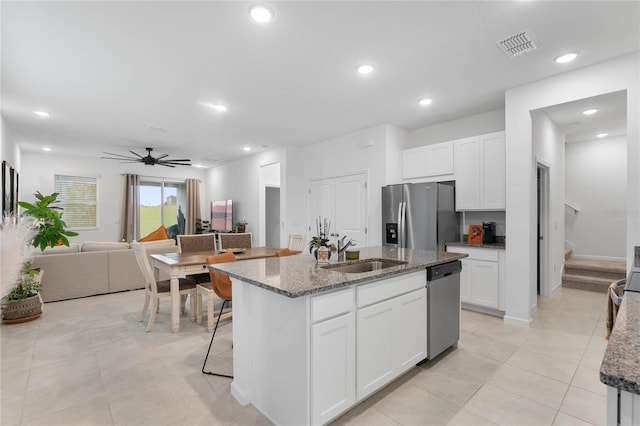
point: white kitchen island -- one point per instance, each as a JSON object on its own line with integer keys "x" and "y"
{"x": 309, "y": 343}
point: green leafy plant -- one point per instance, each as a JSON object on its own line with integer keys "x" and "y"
{"x": 28, "y": 286}
{"x": 242, "y": 223}
{"x": 50, "y": 226}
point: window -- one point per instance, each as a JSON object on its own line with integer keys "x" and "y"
{"x": 159, "y": 201}
{"x": 79, "y": 199}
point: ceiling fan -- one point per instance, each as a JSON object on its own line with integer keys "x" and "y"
{"x": 148, "y": 159}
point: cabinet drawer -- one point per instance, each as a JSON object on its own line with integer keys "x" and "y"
{"x": 476, "y": 253}
{"x": 331, "y": 304}
{"x": 391, "y": 287}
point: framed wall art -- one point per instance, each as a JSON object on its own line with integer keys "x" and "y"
{"x": 6, "y": 188}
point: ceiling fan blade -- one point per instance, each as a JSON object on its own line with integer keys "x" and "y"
{"x": 162, "y": 156}
{"x": 118, "y": 155}
{"x": 120, "y": 159}
{"x": 136, "y": 154}
{"x": 171, "y": 159}
{"x": 168, "y": 165}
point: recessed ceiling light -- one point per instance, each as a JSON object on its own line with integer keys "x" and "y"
{"x": 200, "y": 166}
{"x": 425, "y": 101}
{"x": 261, "y": 13}
{"x": 247, "y": 148}
{"x": 590, "y": 111}
{"x": 366, "y": 69}
{"x": 566, "y": 58}
{"x": 42, "y": 113}
{"x": 602, "y": 135}
{"x": 217, "y": 107}
{"x": 46, "y": 148}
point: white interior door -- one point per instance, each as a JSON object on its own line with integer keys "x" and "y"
{"x": 322, "y": 203}
{"x": 351, "y": 207}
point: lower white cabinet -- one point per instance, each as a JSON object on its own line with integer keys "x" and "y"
{"x": 333, "y": 379}
{"x": 482, "y": 277}
{"x": 391, "y": 335}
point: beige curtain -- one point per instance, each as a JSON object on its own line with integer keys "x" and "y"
{"x": 193, "y": 205}
{"x": 130, "y": 213}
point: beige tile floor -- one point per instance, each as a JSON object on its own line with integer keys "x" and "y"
{"x": 89, "y": 362}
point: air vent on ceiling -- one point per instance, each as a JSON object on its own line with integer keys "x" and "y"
{"x": 517, "y": 44}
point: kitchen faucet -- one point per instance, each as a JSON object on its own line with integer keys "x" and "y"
{"x": 342, "y": 246}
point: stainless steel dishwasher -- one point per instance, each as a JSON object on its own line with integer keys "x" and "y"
{"x": 443, "y": 307}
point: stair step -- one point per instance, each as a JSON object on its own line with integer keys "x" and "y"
{"x": 612, "y": 266}
{"x": 586, "y": 282}
{"x": 567, "y": 253}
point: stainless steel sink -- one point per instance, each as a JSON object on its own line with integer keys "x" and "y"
{"x": 364, "y": 265}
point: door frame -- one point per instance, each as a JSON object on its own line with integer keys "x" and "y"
{"x": 543, "y": 212}
{"x": 264, "y": 183}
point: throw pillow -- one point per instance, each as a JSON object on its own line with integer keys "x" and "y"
{"x": 158, "y": 234}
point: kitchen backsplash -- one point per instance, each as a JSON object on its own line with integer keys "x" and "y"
{"x": 476, "y": 218}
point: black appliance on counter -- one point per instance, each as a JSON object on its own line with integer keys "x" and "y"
{"x": 488, "y": 232}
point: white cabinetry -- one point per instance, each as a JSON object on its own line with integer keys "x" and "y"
{"x": 482, "y": 277}
{"x": 480, "y": 164}
{"x": 428, "y": 161}
{"x": 391, "y": 330}
{"x": 333, "y": 355}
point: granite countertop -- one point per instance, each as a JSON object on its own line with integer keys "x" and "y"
{"x": 299, "y": 275}
{"x": 621, "y": 363}
{"x": 466, "y": 244}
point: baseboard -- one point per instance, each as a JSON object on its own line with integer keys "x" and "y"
{"x": 517, "y": 321}
{"x": 482, "y": 309}
{"x": 557, "y": 287}
{"x": 242, "y": 397}
{"x": 589, "y": 257}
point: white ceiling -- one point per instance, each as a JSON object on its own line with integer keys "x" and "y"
{"x": 112, "y": 73}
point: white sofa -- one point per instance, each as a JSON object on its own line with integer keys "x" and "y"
{"x": 93, "y": 268}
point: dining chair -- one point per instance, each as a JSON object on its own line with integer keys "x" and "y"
{"x": 235, "y": 240}
{"x": 154, "y": 290}
{"x": 197, "y": 242}
{"x": 283, "y": 252}
{"x": 296, "y": 242}
{"x": 221, "y": 285}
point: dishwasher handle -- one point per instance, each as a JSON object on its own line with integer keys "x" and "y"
{"x": 444, "y": 270}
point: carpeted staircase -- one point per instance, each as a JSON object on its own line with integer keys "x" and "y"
{"x": 589, "y": 274}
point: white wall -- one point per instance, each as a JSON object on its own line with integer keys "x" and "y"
{"x": 487, "y": 122}
{"x": 596, "y": 183}
{"x": 37, "y": 175}
{"x": 239, "y": 181}
{"x": 611, "y": 76}
{"x": 548, "y": 149}
{"x": 9, "y": 150}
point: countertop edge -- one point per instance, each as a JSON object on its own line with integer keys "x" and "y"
{"x": 620, "y": 366}
{"x": 383, "y": 274}
{"x": 494, "y": 246}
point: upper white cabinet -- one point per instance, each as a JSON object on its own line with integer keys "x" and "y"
{"x": 428, "y": 161}
{"x": 480, "y": 165}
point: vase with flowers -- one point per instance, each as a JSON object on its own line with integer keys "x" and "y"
{"x": 320, "y": 242}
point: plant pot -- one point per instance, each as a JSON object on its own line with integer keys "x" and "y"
{"x": 315, "y": 254}
{"x": 241, "y": 228}
{"x": 17, "y": 311}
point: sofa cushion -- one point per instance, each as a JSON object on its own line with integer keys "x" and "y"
{"x": 158, "y": 234}
{"x": 103, "y": 246}
{"x": 73, "y": 248}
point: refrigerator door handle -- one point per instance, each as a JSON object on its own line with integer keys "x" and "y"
{"x": 403, "y": 227}
{"x": 399, "y": 225}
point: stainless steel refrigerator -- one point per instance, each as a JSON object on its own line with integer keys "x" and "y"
{"x": 419, "y": 215}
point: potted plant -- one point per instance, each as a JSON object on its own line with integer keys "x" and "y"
{"x": 241, "y": 226}
{"x": 40, "y": 226}
{"x": 320, "y": 240}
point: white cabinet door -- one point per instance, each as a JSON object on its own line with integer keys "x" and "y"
{"x": 440, "y": 159}
{"x": 322, "y": 201}
{"x": 392, "y": 338}
{"x": 493, "y": 172}
{"x": 375, "y": 356}
{"x": 410, "y": 335}
{"x": 480, "y": 164}
{"x": 465, "y": 281}
{"x": 333, "y": 370}
{"x": 468, "y": 186}
{"x": 484, "y": 283}
{"x": 414, "y": 163}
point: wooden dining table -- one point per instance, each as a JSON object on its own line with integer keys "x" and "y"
{"x": 182, "y": 264}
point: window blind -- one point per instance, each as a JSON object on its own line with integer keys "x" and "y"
{"x": 79, "y": 199}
